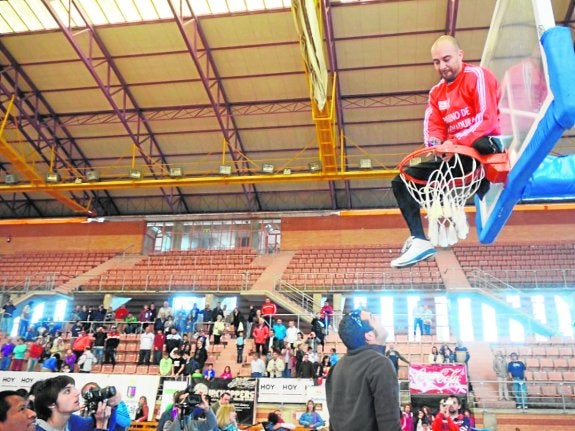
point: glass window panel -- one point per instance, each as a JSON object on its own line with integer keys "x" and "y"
{"x": 201, "y": 7}
{"x": 516, "y": 331}
{"x": 564, "y": 316}
{"x": 60, "y": 310}
{"x": 14, "y": 21}
{"x": 130, "y": 11}
{"x": 412, "y": 302}
{"x": 489, "y": 323}
{"x": 96, "y": 14}
{"x": 255, "y": 4}
{"x": 162, "y": 9}
{"x": 218, "y": 7}
{"x": 465, "y": 322}
{"x": 42, "y": 14}
{"x": 442, "y": 318}
{"x": 359, "y": 302}
{"x": 387, "y": 316}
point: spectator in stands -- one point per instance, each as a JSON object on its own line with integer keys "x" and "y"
{"x": 202, "y": 418}
{"x": 158, "y": 347}
{"x": 333, "y": 357}
{"x": 500, "y": 369}
{"x": 18, "y": 354}
{"x": 310, "y": 418}
{"x": 324, "y": 367}
{"x": 76, "y": 329}
{"x": 111, "y": 345}
{"x": 79, "y": 345}
{"x": 6, "y": 354}
{"x": 261, "y": 333}
{"x": 99, "y": 343}
{"x": 25, "y": 315}
{"x": 287, "y": 357}
{"x": 240, "y": 343}
{"x": 8, "y": 313}
{"x": 87, "y": 361}
{"x": 326, "y": 314}
{"x": 169, "y": 324}
{"x": 449, "y": 416}
{"x": 153, "y": 312}
{"x": 218, "y": 328}
{"x": 394, "y": 356}
{"x": 251, "y": 321}
{"x": 447, "y": 353}
{"x": 194, "y": 314}
{"x": 469, "y": 416}
{"x": 200, "y": 354}
{"x": 427, "y": 320}
{"x": 180, "y": 321}
{"x": 273, "y": 423}
{"x": 173, "y": 340}
{"x": 110, "y": 315}
{"x": 166, "y": 310}
{"x": 209, "y": 372}
{"x": 146, "y": 345}
{"x": 407, "y": 418}
{"x": 70, "y": 359}
{"x": 15, "y": 413}
{"x": 312, "y": 342}
{"x": 461, "y": 353}
{"x": 435, "y": 357}
{"x": 160, "y": 322}
{"x": 238, "y": 321}
{"x": 272, "y": 343}
{"x": 166, "y": 365}
{"x": 35, "y": 351}
{"x": 227, "y": 373}
{"x": 57, "y": 399}
{"x": 362, "y": 390}
{"x": 132, "y": 326}
{"x": 99, "y": 315}
{"x": 189, "y": 324}
{"x": 420, "y": 422}
{"x": 120, "y": 316}
{"x": 258, "y": 366}
{"x": 279, "y": 332}
{"x": 291, "y": 333}
{"x": 516, "y": 370}
{"x": 275, "y": 365}
{"x": 268, "y": 310}
{"x": 177, "y": 363}
{"x": 319, "y": 330}
{"x": 306, "y": 368}
{"x": 225, "y": 399}
{"x": 227, "y": 418}
{"x": 418, "y": 319}
{"x": 144, "y": 317}
{"x": 142, "y": 411}
{"x": 52, "y": 364}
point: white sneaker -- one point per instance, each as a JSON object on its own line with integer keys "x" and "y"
{"x": 414, "y": 250}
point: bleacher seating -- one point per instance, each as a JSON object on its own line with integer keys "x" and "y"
{"x": 47, "y": 269}
{"x": 349, "y": 268}
{"x": 184, "y": 270}
{"x": 521, "y": 265}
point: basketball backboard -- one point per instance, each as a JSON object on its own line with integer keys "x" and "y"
{"x": 534, "y": 63}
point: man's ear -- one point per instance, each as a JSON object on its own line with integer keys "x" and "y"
{"x": 370, "y": 337}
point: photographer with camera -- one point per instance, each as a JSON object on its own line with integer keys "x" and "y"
{"x": 193, "y": 413}
{"x": 57, "y": 399}
{"x": 119, "y": 415}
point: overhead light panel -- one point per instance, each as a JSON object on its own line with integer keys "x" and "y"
{"x": 314, "y": 166}
{"x": 11, "y": 179}
{"x": 365, "y": 164}
{"x": 92, "y": 175}
{"x": 135, "y": 174}
{"x": 268, "y": 168}
{"x": 225, "y": 170}
{"x": 52, "y": 177}
{"x": 176, "y": 172}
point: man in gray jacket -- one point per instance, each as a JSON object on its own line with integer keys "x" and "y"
{"x": 362, "y": 389}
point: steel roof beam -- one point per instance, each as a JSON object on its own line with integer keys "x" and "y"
{"x": 198, "y": 49}
{"x": 332, "y": 59}
{"x": 126, "y": 96}
{"x": 451, "y": 18}
{"x": 32, "y": 101}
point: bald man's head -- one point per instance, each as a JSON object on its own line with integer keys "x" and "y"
{"x": 447, "y": 57}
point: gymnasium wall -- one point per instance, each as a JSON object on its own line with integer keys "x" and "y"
{"x": 528, "y": 224}
{"x": 121, "y": 236}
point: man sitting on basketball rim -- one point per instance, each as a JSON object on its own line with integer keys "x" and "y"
{"x": 462, "y": 109}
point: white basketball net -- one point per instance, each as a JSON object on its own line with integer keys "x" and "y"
{"x": 444, "y": 197}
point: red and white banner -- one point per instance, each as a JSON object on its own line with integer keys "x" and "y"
{"x": 438, "y": 379}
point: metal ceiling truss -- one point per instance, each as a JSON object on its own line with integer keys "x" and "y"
{"x": 253, "y": 108}
{"x": 30, "y": 103}
{"x": 200, "y": 54}
{"x": 140, "y": 134}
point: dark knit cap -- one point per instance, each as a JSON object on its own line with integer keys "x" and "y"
{"x": 352, "y": 331}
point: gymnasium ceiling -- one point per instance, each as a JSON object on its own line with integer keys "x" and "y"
{"x": 224, "y": 84}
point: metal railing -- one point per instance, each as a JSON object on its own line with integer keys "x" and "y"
{"x": 523, "y": 278}
{"x": 295, "y": 295}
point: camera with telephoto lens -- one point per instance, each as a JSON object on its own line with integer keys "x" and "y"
{"x": 94, "y": 396}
